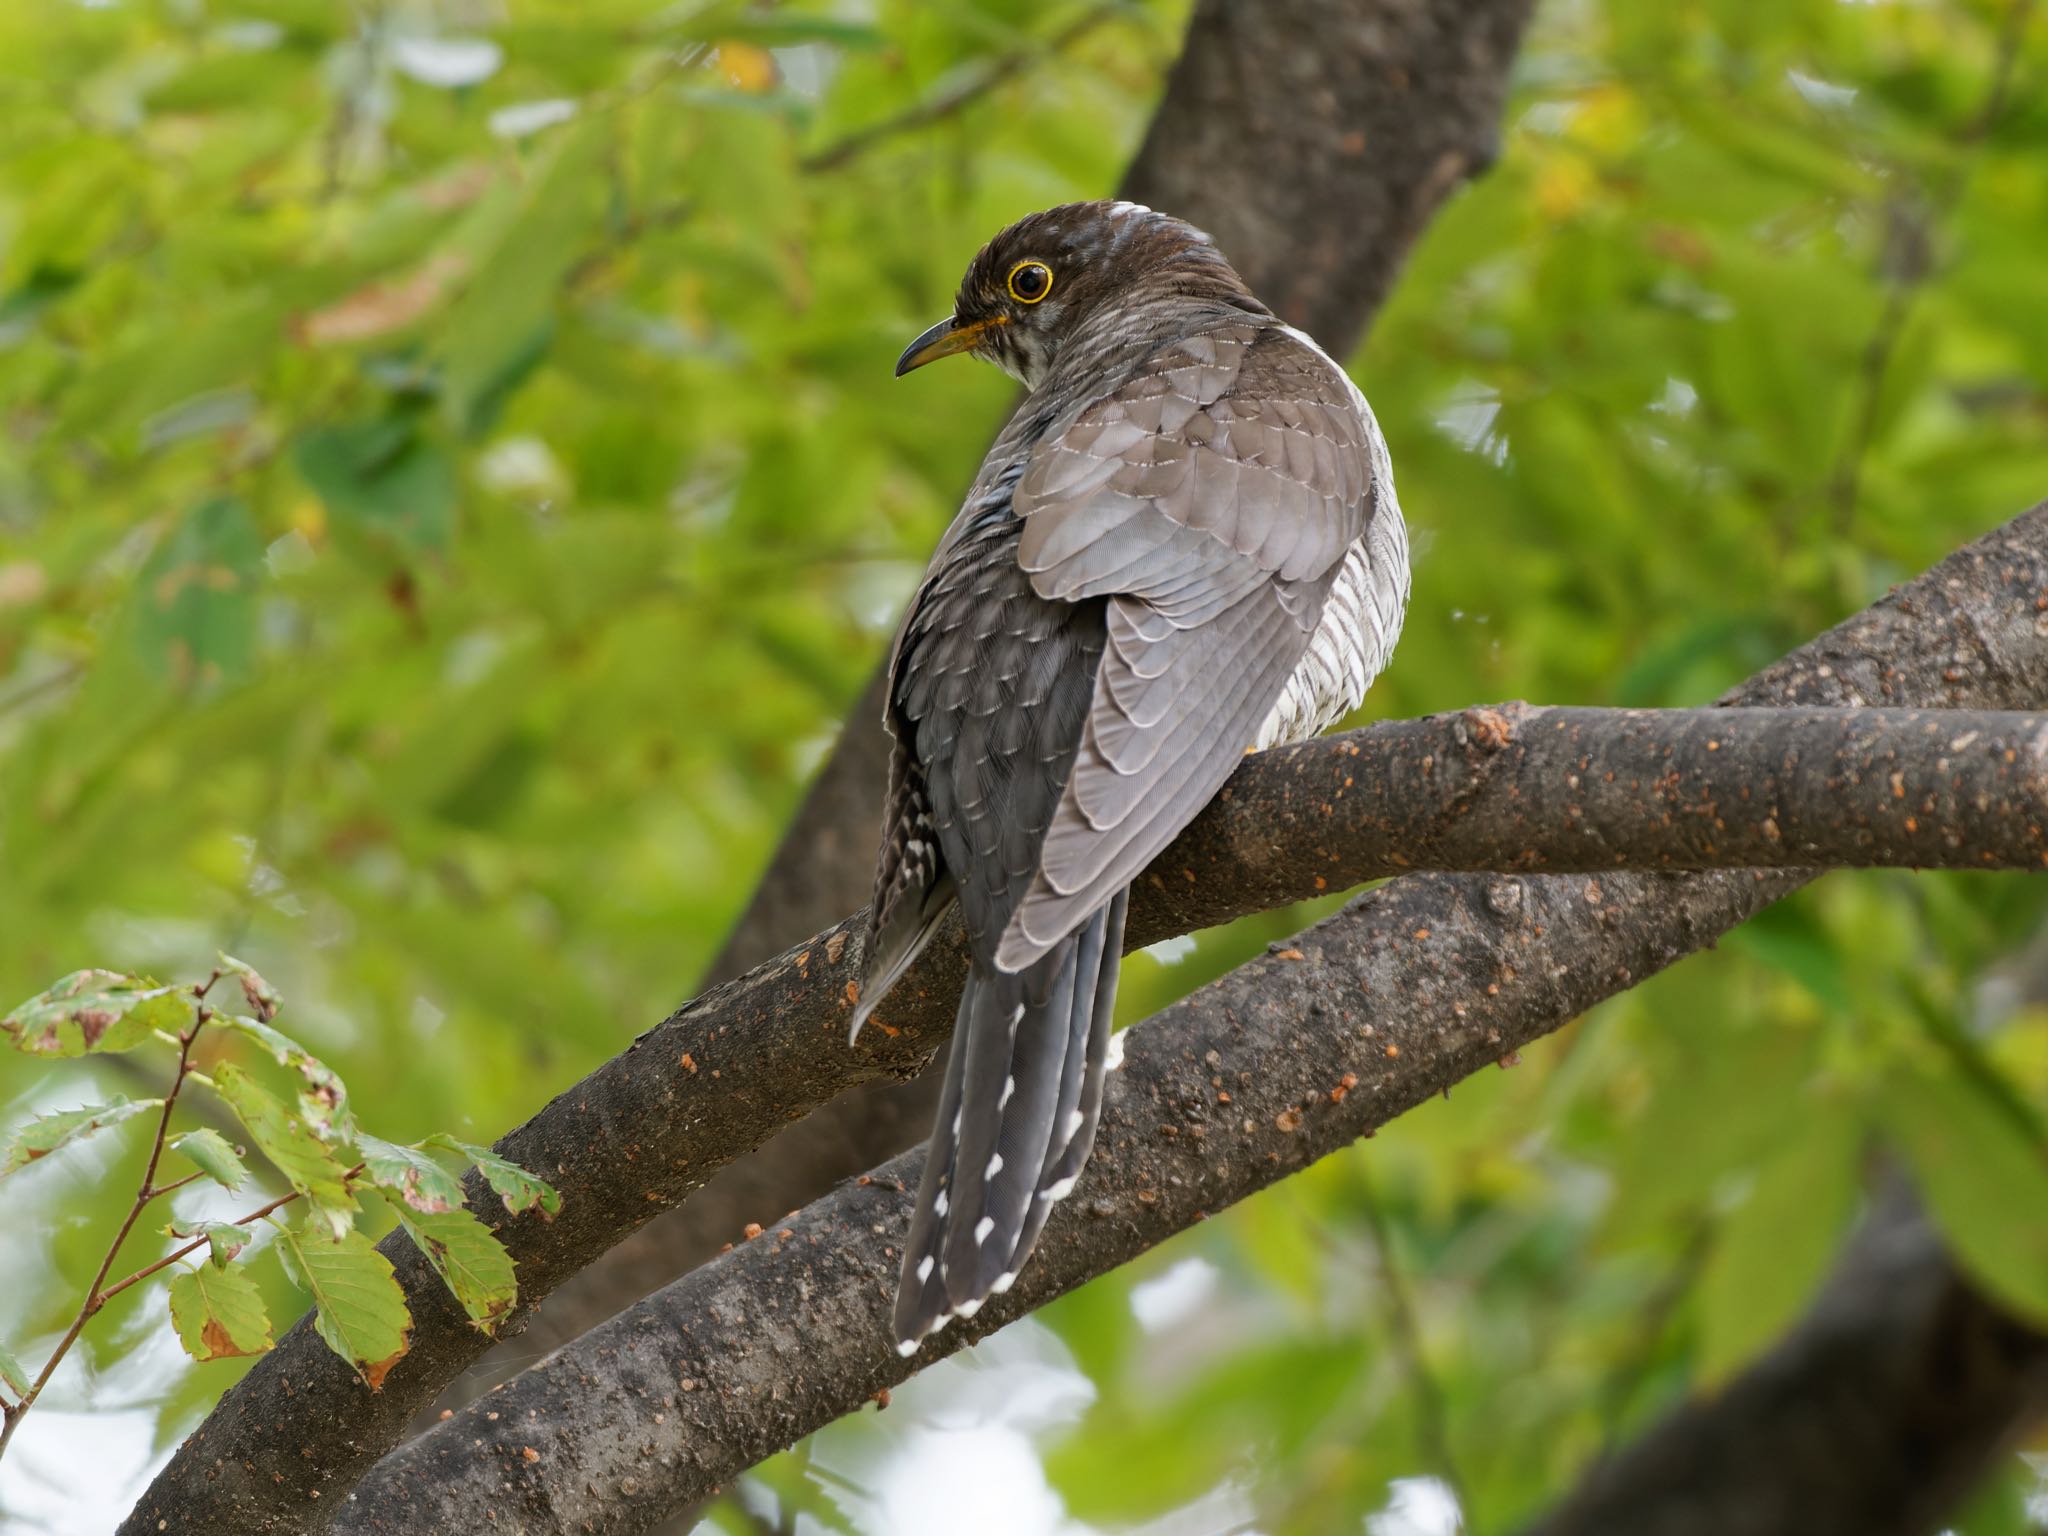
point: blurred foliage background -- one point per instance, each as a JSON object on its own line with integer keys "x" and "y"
{"x": 451, "y": 488}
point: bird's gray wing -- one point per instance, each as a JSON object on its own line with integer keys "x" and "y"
{"x": 1210, "y": 501}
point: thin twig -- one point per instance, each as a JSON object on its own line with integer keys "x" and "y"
{"x": 198, "y": 1243}
{"x": 146, "y": 1191}
{"x": 956, "y": 98}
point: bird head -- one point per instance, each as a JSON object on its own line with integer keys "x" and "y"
{"x": 1070, "y": 270}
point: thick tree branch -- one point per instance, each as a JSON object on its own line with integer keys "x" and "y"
{"x": 1876, "y": 1416}
{"x": 1410, "y": 989}
{"x": 1314, "y": 139}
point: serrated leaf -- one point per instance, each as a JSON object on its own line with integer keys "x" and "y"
{"x": 300, "y": 1156}
{"x": 218, "y": 1313}
{"x": 46, "y": 1133}
{"x": 323, "y": 1101}
{"x": 224, "y": 1240}
{"x": 210, "y": 1152}
{"x": 469, "y": 1259}
{"x": 1985, "y": 1181}
{"x": 12, "y": 1373}
{"x": 520, "y": 1190}
{"x": 359, "y": 1309}
{"x": 97, "y": 1011}
{"x": 409, "y": 1174}
{"x": 260, "y": 995}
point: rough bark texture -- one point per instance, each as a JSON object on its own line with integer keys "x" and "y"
{"x": 1408, "y": 990}
{"x": 1314, "y": 139}
{"x": 1876, "y": 1416}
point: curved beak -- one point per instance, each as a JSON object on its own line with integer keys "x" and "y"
{"x": 942, "y": 340}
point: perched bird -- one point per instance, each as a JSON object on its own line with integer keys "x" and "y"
{"x": 1184, "y": 546}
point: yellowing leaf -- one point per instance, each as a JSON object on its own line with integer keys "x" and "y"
{"x": 46, "y": 1133}
{"x": 520, "y": 1190}
{"x": 290, "y": 1143}
{"x": 224, "y": 1240}
{"x": 97, "y": 1011}
{"x": 359, "y": 1309}
{"x": 409, "y": 1174}
{"x": 473, "y": 1263}
{"x": 218, "y": 1312}
{"x": 260, "y": 994}
{"x": 323, "y": 1101}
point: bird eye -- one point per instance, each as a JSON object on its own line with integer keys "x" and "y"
{"x": 1030, "y": 281}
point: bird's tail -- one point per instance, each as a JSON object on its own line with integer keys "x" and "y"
{"x": 1023, "y": 1092}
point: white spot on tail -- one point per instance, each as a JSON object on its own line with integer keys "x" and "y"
{"x": 1059, "y": 1191}
{"x": 1115, "y": 1058}
{"x": 939, "y": 1205}
{"x": 1003, "y": 1282}
{"x": 995, "y": 1166}
{"x": 982, "y": 1228}
{"x": 924, "y": 1268}
{"x": 907, "y": 1347}
{"x": 1016, "y": 1019}
{"x": 1075, "y": 1120}
{"x": 968, "y": 1308}
{"x": 1009, "y": 1087}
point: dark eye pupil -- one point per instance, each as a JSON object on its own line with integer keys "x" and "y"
{"x": 1030, "y": 282}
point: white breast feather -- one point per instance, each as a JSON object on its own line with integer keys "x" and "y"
{"x": 1362, "y": 618}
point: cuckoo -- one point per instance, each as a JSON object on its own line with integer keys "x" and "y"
{"x": 1184, "y": 546}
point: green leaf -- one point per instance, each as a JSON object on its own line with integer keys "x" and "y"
{"x": 224, "y": 1240}
{"x": 46, "y": 1133}
{"x": 1773, "y": 1250}
{"x": 218, "y": 1313}
{"x": 473, "y": 1263}
{"x": 209, "y": 1151}
{"x": 301, "y": 1156}
{"x": 383, "y": 479}
{"x": 195, "y": 600}
{"x": 1985, "y": 1180}
{"x": 520, "y": 1190}
{"x": 97, "y": 1011}
{"x": 359, "y": 1309}
{"x": 323, "y": 1101}
{"x": 410, "y": 1174}
{"x": 501, "y": 325}
{"x": 261, "y": 995}
{"x": 12, "y": 1373}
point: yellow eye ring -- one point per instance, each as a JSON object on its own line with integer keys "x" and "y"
{"x": 1037, "y": 282}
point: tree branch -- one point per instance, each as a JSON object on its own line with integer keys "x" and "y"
{"x": 1375, "y": 1010}
{"x": 1877, "y": 1415}
{"x": 957, "y": 97}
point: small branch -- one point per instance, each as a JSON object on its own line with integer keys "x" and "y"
{"x": 198, "y": 1243}
{"x": 175, "y": 1185}
{"x": 956, "y": 98}
{"x": 95, "y": 1297}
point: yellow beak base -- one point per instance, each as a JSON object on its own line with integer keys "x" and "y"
{"x": 942, "y": 340}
